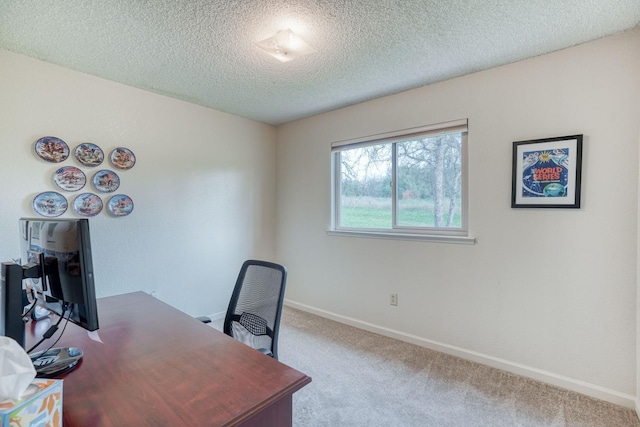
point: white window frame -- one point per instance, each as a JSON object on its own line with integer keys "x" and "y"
{"x": 449, "y": 235}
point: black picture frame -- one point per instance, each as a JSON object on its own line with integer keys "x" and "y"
{"x": 547, "y": 173}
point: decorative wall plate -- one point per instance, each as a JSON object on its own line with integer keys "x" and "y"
{"x": 89, "y": 154}
{"x": 87, "y": 204}
{"x": 106, "y": 181}
{"x": 52, "y": 149}
{"x": 120, "y": 205}
{"x": 70, "y": 178}
{"x": 122, "y": 158}
{"x": 50, "y": 204}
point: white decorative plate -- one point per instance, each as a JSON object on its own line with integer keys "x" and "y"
{"x": 87, "y": 204}
{"x": 70, "y": 178}
{"x": 89, "y": 154}
{"x": 120, "y": 205}
{"x": 50, "y": 204}
{"x": 52, "y": 149}
{"x": 122, "y": 158}
{"x": 106, "y": 181}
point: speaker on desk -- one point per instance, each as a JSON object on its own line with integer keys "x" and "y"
{"x": 12, "y": 303}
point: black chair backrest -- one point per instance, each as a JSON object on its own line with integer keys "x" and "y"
{"x": 254, "y": 312}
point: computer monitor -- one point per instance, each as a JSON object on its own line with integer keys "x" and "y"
{"x": 62, "y": 248}
{"x": 57, "y": 271}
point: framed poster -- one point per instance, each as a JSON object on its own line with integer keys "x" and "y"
{"x": 547, "y": 173}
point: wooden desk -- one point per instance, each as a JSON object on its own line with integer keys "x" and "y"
{"x": 158, "y": 366}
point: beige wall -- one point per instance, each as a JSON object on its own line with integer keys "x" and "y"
{"x": 547, "y": 293}
{"x": 203, "y": 185}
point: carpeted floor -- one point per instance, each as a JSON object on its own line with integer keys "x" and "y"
{"x": 364, "y": 379}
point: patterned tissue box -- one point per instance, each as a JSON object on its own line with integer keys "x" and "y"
{"x": 40, "y": 406}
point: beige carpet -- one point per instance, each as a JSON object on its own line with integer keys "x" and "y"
{"x": 364, "y": 379}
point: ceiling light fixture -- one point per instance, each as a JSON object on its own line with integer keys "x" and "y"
{"x": 285, "y": 46}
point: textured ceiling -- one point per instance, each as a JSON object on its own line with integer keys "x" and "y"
{"x": 203, "y": 51}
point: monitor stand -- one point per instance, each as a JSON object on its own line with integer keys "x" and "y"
{"x": 56, "y": 361}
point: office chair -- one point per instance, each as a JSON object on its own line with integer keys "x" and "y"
{"x": 253, "y": 315}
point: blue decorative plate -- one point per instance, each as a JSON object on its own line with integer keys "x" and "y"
{"x": 106, "y": 181}
{"x": 89, "y": 154}
{"x": 87, "y": 204}
{"x": 70, "y": 178}
{"x": 120, "y": 205}
{"x": 122, "y": 158}
{"x": 52, "y": 149}
{"x": 50, "y": 204}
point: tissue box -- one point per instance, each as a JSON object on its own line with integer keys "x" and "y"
{"x": 41, "y": 406}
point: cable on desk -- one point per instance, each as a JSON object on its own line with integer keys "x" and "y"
{"x": 51, "y": 331}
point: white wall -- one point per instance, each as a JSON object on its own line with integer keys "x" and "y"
{"x": 547, "y": 293}
{"x": 203, "y": 185}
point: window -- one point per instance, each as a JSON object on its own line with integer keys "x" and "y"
{"x": 410, "y": 182}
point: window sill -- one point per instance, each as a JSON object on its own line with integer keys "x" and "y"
{"x": 463, "y": 240}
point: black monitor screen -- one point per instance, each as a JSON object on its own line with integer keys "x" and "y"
{"x": 62, "y": 247}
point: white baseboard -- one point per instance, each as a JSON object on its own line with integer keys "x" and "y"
{"x": 638, "y": 407}
{"x": 578, "y": 386}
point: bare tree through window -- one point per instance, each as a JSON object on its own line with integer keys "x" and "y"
{"x": 413, "y": 183}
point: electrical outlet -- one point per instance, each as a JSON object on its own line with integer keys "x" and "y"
{"x": 394, "y": 299}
